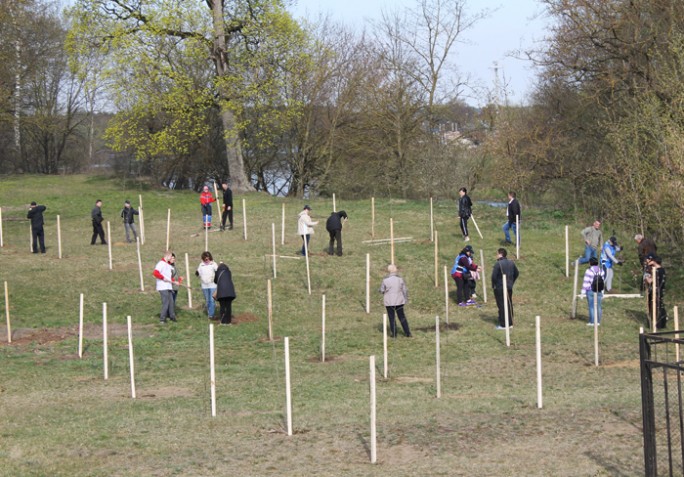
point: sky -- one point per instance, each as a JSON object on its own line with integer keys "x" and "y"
{"x": 511, "y": 25}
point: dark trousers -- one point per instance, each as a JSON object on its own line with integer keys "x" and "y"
{"x": 226, "y": 310}
{"x": 227, "y": 214}
{"x": 38, "y": 235}
{"x": 167, "y": 308}
{"x": 306, "y": 237}
{"x": 335, "y": 235}
{"x": 499, "y": 295}
{"x": 661, "y": 311}
{"x": 463, "y": 289}
{"x": 97, "y": 231}
{"x": 464, "y": 226}
{"x": 402, "y": 319}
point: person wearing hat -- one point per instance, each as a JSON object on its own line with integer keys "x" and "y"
{"x": 395, "y": 296}
{"x": 504, "y": 266}
{"x": 127, "y": 214}
{"x": 334, "y": 227}
{"x": 656, "y": 272}
{"x": 608, "y": 260}
{"x": 96, "y": 216}
{"x": 305, "y": 227}
{"x": 460, "y": 272}
{"x": 35, "y": 215}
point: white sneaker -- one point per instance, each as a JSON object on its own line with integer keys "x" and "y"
{"x": 467, "y": 239}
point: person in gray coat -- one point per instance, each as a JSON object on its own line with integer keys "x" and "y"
{"x": 395, "y": 297}
{"x": 225, "y": 292}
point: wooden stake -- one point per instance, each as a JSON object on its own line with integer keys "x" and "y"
{"x": 131, "y": 362}
{"x": 484, "y": 276}
{"x": 275, "y": 272}
{"x": 517, "y": 237}
{"x": 218, "y": 203}
{"x": 567, "y": 252}
{"x": 368, "y": 283}
{"x": 506, "y": 316}
{"x": 206, "y": 238}
{"x": 446, "y": 296}
{"x": 31, "y": 238}
{"x": 438, "y": 366}
{"x": 269, "y": 308}
{"x": 476, "y": 227}
{"x": 80, "y": 326}
{"x": 244, "y": 219}
{"x": 105, "y": 351}
{"x": 140, "y": 271}
{"x": 334, "y": 204}
{"x": 373, "y": 437}
{"x": 2, "y": 244}
{"x": 655, "y": 298}
{"x": 308, "y": 270}
{"x": 574, "y": 290}
{"x": 168, "y": 228}
{"x": 59, "y": 238}
{"x": 282, "y": 226}
{"x": 7, "y": 315}
{"x": 188, "y": 274}
{"x": 288, "y": 395}
{"x": 596, "y": 325}
{"x": 212, "y": 368}
{"x": 142, "y": 220}
{"x": 323, "y": 327}
{"x": 385, "y": 364}
{"x": 676, "y": 327}
{"x": 109, "y": 244}
{"x": 537, "y": 328}
{"x": 392, "y": 240}
{"x": 372, "y": 217}
{"x": 432, "y": 223}
{"x": 436, "y": 240}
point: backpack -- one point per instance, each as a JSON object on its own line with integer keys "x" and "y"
{"x": 597, "y": 283}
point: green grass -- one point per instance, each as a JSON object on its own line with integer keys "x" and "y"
{"x": 60, "y": 418}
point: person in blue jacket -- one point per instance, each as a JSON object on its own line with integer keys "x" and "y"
{"x": 609, "y": 260}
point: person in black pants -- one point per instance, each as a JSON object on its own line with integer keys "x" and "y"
{"x": 465, "y": 210}
{"x": 227, "y": 206}
{"x": 35, "y": 214}
{"x": 504, "y": 266}
{"x": 225, "y": 292}
{"x": 334, "y": 227}
{"x": 96, "y": 215}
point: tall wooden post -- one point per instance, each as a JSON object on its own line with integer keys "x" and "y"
{"x": 537, "y": 328}
{"x": 373, "y": 436}
{"x": 212, "y": 368}
{"x": 131, "y": 361}
{"x": 438, "y": 373}
{"x": 187, "y": 273}
{"x": 288, "y": 394}
{"x": 59, "y": 238}
{"x": 484, "y": 276}
{"x": 273, "y": 247}
{"x": 436, "y": 240}
{"x": 432, "y": 223}
{"x": 244, "y": 219}
{"x": 105, "y": 350}
{"x": 392, "y": 241}
{"x": 140, "y": 271}
{"x": 368, "y": 283}
{"x": 269, "y": 309}
{"x": 506, "y": 311}
{"x": 7, "y": 315}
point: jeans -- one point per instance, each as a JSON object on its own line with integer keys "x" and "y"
{"x": 130, "y": 227}
{"x": 306, "y": 237}
{"x": 507, "y": 227}
{"x": 589, "y": 252}
{"x": 211, "y": 305}
{"x": 590, "y": 301}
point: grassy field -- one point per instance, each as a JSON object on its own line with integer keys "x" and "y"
{"x": 61, "y": 418}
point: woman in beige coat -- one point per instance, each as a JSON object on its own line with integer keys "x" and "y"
{"x": 395, "y": 297}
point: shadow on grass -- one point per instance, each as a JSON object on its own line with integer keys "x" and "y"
{"x": 617, "y": 469}
{"x": 639, "y": 317}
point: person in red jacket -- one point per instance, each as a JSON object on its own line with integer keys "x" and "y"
{"x": 206, "y": 198}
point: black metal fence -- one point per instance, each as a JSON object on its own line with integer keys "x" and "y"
{"x": 661, "y": 401}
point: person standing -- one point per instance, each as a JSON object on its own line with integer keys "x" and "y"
{"x": 96, "y": 216}
{"x": 127, "y": 214}
{"x": 512, "y": 212}
{"x": 176, "y": 279}
{"x": 465, "y": 210}
{"x": 163, "y": 274}
{"x": 35, "y": 215}
{"x": 227, "y": 206}
{"x": 592, "y": 241}
{"x": 395, "y": 296}
{"x": 225, "y": 292}
{"x": 305, "y": 227}
{"x": 609, "y": 260}
{"x": 592, "y": 286}
{"x": 206, "y": 271}
{"x": 504, "y": 266}
{"x": 655, "y": 262}
{"x": 206, "y": 198}
{"x": 645, "y": 247}
{"x": 334, "y": 227}
{"x": 461, "y": 273}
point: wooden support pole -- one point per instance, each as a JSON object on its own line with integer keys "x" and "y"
{"x": 140, "y": 270}
{"x": 308, "y": 269}
{"x": 574, "y": 290}
{"x": 372, "y": 217}
{"x": 385, "y": 363}
{"x": 2, "y": 244}
{"x": 654, "y": 296}
{"x": 537, "y": 327}
{"x": 206, "y": 238}
{"x": 59, "y": 238}
{"x": 446, "y": 296}
{"x": 368, "y": 283}
{"x": 567, "y": 252}
{"x": 476, "y": 226}
{"x": 517, "y": 237}
{"x": 109, "y": 244}
{"x": 373, "y": 436}
{"x": 142, "y": 219}
{"x": 187, "y": 277}
{"x": 212, "y": 368}
{"x": 432, "y": 223}
{"x": 7, "y": 315}
{"x": 105, "y": 350}
{"x": 31, "y": 238}
{"x": 288, "y": 393}
{"x": 436, "y": 240}
{"x": 218, "y": 203}
{"x": 392, "y": 241}
{"x": 676, "y": 327}
{"x": 596, "y": 325}
{"x": 334, "y": 203}
{"x": 273, "y": 246}
{"x": 323, "y": 328}
{"x": 282, "y": 225}
{"x": 269, "y": 308}
{"x": 438, "y": 366}
{"x": 131, "y": 361}
{"x": 506, "y": 311}
{"x": 168, "y": 229}
{"x": 80, "y": 326}
{"x": 484, "y": 276}
{"x": 244, "y": 219}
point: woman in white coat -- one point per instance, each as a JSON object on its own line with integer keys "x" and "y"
{"x": 305, "y": 227}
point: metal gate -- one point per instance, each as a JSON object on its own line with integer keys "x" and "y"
{"x": 661, "y": 401}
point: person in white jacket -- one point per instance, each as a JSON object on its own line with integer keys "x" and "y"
{"x": 206, "y": 271}
{"x": 305, "y": 227}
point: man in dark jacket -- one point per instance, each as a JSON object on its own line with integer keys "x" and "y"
{"x": 35, "y": 214}
{"x": 225, "y": 292}
{"x": 465, "y": 210}
{"x": 128, "y": 214}
{"x": 227, "y": 206}
{"x": 96, "y": 215}
{"x": 512, "y": 211}
{"x": 334, "y": 228}
{"x": 504, "y": 266}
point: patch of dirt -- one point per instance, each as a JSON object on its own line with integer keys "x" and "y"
{"x": 413, "y": 379}
{"x": 630, "y": 363}
{"x": 442, "y": 327}
{"x": 166, "y": 392}
{"x": 245, "y": 318}
{"x": 328, "y": 359}
{"x": 42, "y": 336}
